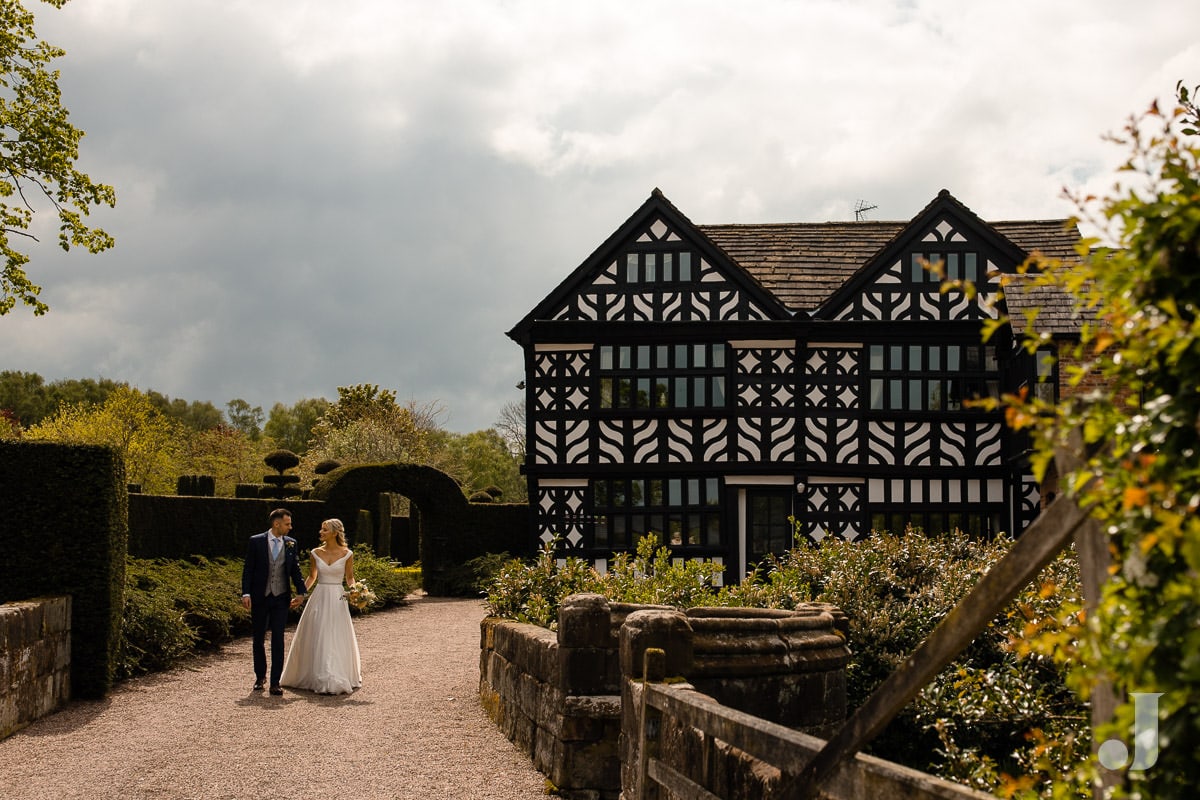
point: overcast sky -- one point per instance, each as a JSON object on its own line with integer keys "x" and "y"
{"x": 318, "y": 194}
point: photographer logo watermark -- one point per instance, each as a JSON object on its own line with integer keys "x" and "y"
{"x": 1114, "y": 755}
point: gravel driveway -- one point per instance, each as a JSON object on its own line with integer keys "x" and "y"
{"x": 414, "y": 730}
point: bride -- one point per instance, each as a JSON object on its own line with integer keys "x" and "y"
{"x": 324, "y": 653}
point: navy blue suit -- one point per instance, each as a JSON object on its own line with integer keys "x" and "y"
{"x": 269, "y": 611}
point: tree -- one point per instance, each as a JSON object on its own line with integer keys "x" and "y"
{"x": 23, "y": 395}
{"x": 359, "y": 401}
{"x": 292, "y": 428}
{"x": 197, "y": 415}
{"x": 245, "y": 418}
{"x": 227, "y": 454}
{"x": 366, "y": 425}
{"x": 148, "y": 442}
{"x": 511, "y": 426}
{"x": 38, "y": 151}
{"x": 1141, "y": 476}
{"x": 482, "y": 459}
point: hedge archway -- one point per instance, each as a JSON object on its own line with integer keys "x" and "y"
{"x": 452, "y": 530}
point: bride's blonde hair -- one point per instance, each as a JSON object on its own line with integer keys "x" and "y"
{"x": 337, "y": 527}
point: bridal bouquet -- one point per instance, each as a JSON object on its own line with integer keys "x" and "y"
{"x": 359, "y": 595}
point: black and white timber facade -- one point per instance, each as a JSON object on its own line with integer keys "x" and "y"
{"x": 707, "y": 382}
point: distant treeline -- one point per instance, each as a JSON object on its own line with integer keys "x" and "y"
{"x": 30, "y": 399}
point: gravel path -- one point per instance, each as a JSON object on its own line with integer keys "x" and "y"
{"x": 414, "y": 730}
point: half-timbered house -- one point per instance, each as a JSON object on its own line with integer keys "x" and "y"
{"x": 707, "y": 382}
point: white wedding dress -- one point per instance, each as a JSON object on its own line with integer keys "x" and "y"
{"x": 324, "y": 652}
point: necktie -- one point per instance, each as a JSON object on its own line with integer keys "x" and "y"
{"x": 274, "y": 548}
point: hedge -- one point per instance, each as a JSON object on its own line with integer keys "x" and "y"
{"x": 67, "y": 504}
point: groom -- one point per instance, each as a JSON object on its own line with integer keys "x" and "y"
{"x": 270, "y": 562}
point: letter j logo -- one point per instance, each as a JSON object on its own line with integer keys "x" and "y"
{"x": 1114, "y": 754}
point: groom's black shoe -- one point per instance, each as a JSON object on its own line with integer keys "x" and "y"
{"x": 276, "y": 690}
{"x": 258, "y": 686}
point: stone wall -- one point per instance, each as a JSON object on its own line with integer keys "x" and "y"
{"x": 557, "y": 694}
{"x": 35, "y": 660}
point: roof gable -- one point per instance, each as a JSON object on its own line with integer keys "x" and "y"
{"x": 656, "y": 267}
{"x": 894, "y": 285}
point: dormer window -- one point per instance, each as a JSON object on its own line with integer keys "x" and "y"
{"x": 658, "y": 267}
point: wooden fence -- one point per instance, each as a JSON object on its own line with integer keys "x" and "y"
{"x": 664, "y": 706}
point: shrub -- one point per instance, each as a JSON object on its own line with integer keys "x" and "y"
{"x": 174, "y": 609}
{"x": 390, "y": 585}
{"x": 967, "y": 724}
{"x": 281, "y": 460}
{"x": 895, "y": 590}
{"x": 532, "y": 591}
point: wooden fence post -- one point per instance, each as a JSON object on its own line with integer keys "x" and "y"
{"x": 1092, "y": 550}
{"x": 654, "y": 670}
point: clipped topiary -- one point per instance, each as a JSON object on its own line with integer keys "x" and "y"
{"x": 328, "y": 465}
{"x": 481, "y": 497}
{"x": 281, "y": 460}
{"x": 495, "y": 491}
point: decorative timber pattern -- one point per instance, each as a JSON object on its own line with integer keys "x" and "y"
{"x": 926, "y": 444}
{"x": 652, "y": 441}
{"x": 560, "y": 434}
{"x": 908, "y": 291}
{"x": 834, "y": 509}
{"x": 832, "y": 383}
{"x": 560, "y": 513}
{"x": 660, "y": 278}
{"x": 765, "y": 389}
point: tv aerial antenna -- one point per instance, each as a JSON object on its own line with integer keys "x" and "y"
{"x": 860, "y": 210}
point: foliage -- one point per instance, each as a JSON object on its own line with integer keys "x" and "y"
{"x": 531, "y": 591}
{"x": 225, "y": 453}
{"x": 894, "y": 590}
{"x": 10, "y": 426}
{"x": 292, "y": 428}
{"x": 1141, "y": 437}
{"x": 32, "y": 400}
{"x": 281, "y": 460}
{"x": 367, "y": 426}
{"x": 174, "y": 609}
{"x": 69, "y": 503}
{"x": 38, "y": 151}
{"x": 389, "y": 584}
{"x": 482, "y": 460}
{"x": 194, "y": 416}
{"x": 245, "y": 418}
{"x": 129, "y": 422}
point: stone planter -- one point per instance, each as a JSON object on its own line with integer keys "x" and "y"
{"x": 788, "y": 667}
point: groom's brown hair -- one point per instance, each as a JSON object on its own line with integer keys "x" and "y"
{"x": 278, "y": 513}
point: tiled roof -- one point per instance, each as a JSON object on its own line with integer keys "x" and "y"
{"x": 1056, "y": 311}
{"x": 804, "y": 263}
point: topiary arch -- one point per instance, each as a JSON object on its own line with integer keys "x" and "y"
{"x": 452, "y": 531}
